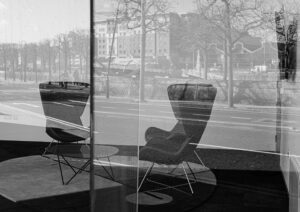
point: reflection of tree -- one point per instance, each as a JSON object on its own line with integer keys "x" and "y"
{"x": 149, "y": 15}
{"x": 287, "y": 37}
{"x": 23, "y": 61}
{"x": 198, "y": 34}
{"x": 233, "y": 20}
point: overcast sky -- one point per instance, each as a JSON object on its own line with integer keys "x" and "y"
{"x": 35, "y": 20}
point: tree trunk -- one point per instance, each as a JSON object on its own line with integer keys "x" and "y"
{"x": 229, "y": 54}
{"x": 225, "y": 66}
{"x": 50, "y": 72}
{"x": 35, "y": 64}
{"x": 143, "y": 52}
{"x": 86, "y": 68}
{"x": 5, "y": 65}
{"x": 59, "y": 63}
{"x": 13, "y": 66}
{"x": 80, "y": 62}
{"x": 230, "y": 77}
{"x": 205, "y": 65}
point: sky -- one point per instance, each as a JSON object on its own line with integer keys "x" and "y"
{"x": 37, "y": 20}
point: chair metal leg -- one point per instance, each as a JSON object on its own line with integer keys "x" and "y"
{"x": 107, "y": 172}
{"x": 145, "y": 176}
{"x": 187, "y": 178}
{"x": 171, "y": 172}
{"x": 168, "y": 186}
{"x": 79, "y": 171}
{"x": 67, "y": 162}
{"x": 61, "y": 173}
{"x": 112, "y": 172}
{"x": 199, "y": 158}
{"x": 46, "y": 148}
{"x": 191, "y": 170}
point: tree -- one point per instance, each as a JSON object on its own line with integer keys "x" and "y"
{"x": 198, "y": 34}
{"x": 32, "y": 58}
{"x": 13, "y": 59}
{"x": 149, "y": 15}
{"x": 233, "y": 19}
{"x": 4, "y": 54}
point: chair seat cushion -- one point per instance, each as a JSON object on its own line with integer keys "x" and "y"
{"x": 67, "y": 135}
{"x": 164, "y": 150}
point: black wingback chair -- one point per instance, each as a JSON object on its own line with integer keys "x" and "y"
{"x": 64, "y": 104}
{"x": 192, "y": 105}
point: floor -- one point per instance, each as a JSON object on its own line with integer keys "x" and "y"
{"x": 247, "y": 181}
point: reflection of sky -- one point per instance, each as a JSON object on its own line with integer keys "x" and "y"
{"x": 34, "y": 20}
{"x": 106, "y": 8}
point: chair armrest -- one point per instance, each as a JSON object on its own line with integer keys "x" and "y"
{"x": 153, "y": 132}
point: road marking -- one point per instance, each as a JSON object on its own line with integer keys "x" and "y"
{"x": 87, "y": 103}
{"x": 199, "y": 114}
{"x": 170, "y": 112}
{"x": 241, "y": 149}
{"x": 26, "y": 104}
{"x": 136, "y": 109}
{"x": 209, "y": 121}
{"x": 236, "y": 117}
{"x": 58, "y": 103}
{"x": 265, "y": 120}
{"x": 108, "y": 107}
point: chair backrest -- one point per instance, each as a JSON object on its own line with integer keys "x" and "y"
{"x": 192, "y": 105}
{"x": 63, "y": 102}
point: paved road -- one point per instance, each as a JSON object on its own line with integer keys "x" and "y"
{"x": 120, "y": 121}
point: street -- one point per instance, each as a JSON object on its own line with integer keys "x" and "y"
{"x": 124, "y": 122}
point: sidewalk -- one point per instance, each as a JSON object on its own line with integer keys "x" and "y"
{"x": 216, "y": 104}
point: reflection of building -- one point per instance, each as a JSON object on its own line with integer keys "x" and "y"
{"x": 175, "y": 43}
{"x": 245, "y": 54}
{"x": 127, "y": 41}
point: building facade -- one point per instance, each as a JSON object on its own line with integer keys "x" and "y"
{"x": 127, "y": 42}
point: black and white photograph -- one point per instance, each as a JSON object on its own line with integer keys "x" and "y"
{"x": 149, "y": 106}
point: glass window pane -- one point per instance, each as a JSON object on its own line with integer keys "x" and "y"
{"x": 44, "y": 77}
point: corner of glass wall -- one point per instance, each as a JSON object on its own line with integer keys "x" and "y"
{"x": 116, "y": 109}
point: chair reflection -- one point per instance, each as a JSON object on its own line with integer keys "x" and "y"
{"x": 64, "y": 104}
{"x": 192, "y": 105}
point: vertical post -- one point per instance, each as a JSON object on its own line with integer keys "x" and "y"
{"x": 143, "y": 51}
{"x": 49, "y": 57}
{"x": 281, "y": 45}
{"x": 229, "y": 54}
{"x": 111, "y": 50}
{"x": 92, "y": 121}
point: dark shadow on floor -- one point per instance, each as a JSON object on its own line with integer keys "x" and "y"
{"x": 247, "y": 181}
